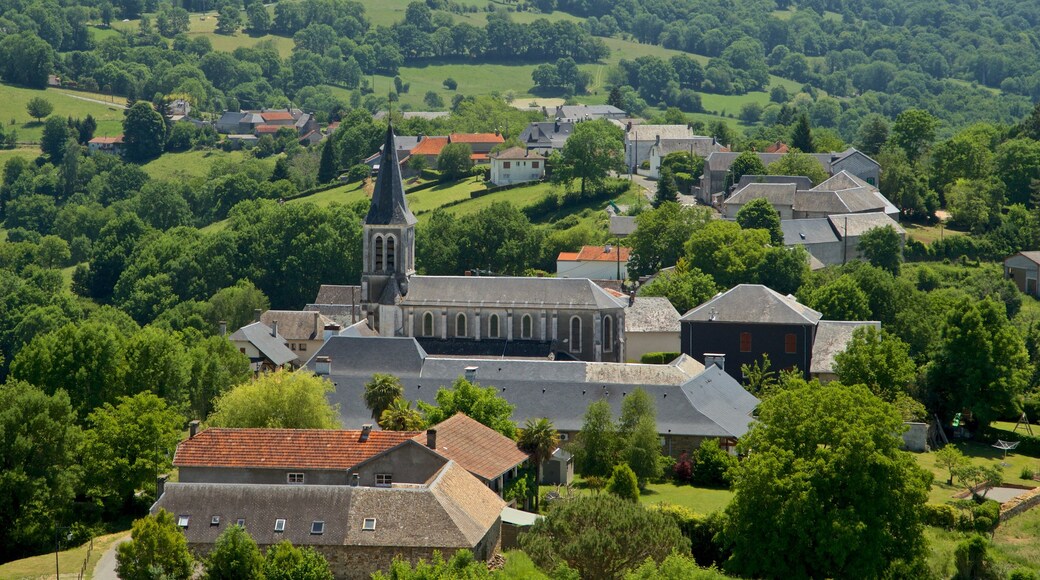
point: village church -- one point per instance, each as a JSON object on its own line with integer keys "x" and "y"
{"x": 560, "y": 318}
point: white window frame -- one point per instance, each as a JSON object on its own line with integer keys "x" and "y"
{"x": 279, "y": 525}
{"x": 317, "y": 527}
{"x": 369, "y": 525}
{"x": 182, "y": 521}
{"x": 214, "y": 521}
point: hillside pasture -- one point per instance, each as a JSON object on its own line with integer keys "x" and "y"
{"x": 66, "y": 104}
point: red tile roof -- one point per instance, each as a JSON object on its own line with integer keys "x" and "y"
{"x": 476, "y": 138}
{"x": 481, "y": 450}
{"x": 284, "y": 448}
{"x": 117, "y": 140}
{"x": 277, "y": 116}
{"x": 268, "y": 128}
{"x": 778, "y": 147}
{"x": 595, "y": 254}
{"x": 430, "y": 146}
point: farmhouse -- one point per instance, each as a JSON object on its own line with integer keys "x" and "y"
{"x": 516, "y": 165}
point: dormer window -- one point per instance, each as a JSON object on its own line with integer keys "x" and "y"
{"x": 214, "y": 521}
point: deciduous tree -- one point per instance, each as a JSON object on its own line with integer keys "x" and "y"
{"x": 38, "y": 108}
{"x": 278, "y": 400}
{"x": 482, "y": 404}
{"x": 882, "y": 247}
{"x": 595, "y": 448}
{"x": 760, "y": 214}
{"x": 593, "y": 149}
{"x": 455, "y": 160}
{"x": 287, "y": 562}
{"x": 144, "y": 132}
{"x": 879, "y": 360}
{"x": 235, "y": 555}
{"x": 157, "y": 547}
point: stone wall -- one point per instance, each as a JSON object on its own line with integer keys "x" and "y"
{"x": 915, "y": 438}
{"x": 1016, "y": 506}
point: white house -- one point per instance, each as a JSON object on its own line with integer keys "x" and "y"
{"x": 516, "y": 165}
{"x": 594, "y": 262}
{"x": 651, "y": 325}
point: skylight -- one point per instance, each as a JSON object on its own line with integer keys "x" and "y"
{"x": 318, "y": 528}
{"x": 279, "y": 525}
{"x": 182, "y": 521}
{"x": 369, "y": 525}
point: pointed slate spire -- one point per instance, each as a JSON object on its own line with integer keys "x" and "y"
{"x": 389, "y": 206}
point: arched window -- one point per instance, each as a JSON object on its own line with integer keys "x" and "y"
{"x": 525, "y": 326}
{"x": 378, "y": 250}
{"x": 575, "y": 334}
{"x": 460, "y": 325}
{"x": 608, "y": 334}
{"x": 493, "y": 326}
{"x": 391, "y": 253}
{"x": 427, "y": 324}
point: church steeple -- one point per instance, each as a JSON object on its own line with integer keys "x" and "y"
{"x": 389, "y": 206}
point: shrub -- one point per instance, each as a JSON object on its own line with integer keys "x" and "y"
{"x": 711, "y": 464}
{"x": 659, "y": 358}
{"x": 973, "y": 560}
{"x": 623, "y": 483}
{"x": 682, "y": 471}
{"x": 595, "y": 482}
{"x": 358, "y": 172}
{"x": 1024, "y": 574}
{"x": 667, "y": 463}
{"x": 939, "y": 515}
{"x": 703, "y": 531}
{"x": 1027, "y": 473}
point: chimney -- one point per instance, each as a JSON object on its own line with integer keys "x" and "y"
{"x": 431, "y": 438}
{"x": 716, "y": 359}
{"x": 316, "y": 327}
{"x": 658, "y": 141}
{"x": 471, "y": 374}
{"x": 556, "y": 126}
{"x": 274, "y": 328}
{"x": 323, "y": 365}
{"x": 366, "y": 430}
{"x": 160, "y": 485}
{"x": 256, "y": 315}
{"x": 606, "y": 249}
{"x": 631, "y": 297}
{"x": 193, "y": 428}
{"x": 223, "y": 327}
{"x": 330, "y": 331}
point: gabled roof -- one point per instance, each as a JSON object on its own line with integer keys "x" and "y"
{"x": 776, "y": 193}
{"x": 430, "y": 146}
{"x": 284, "y": 448}
{"x": 476, "y": 138}
{"x": 697, "y": 145}
{"x": 622, "y": 225}
{"x": 260, "y": 336}
{"x": 516, "y": 153}
{"x": 603, "y": 254}
{"x": 1032, "y": 256}
{"x": 502, "y": 291}
{"x": 117, "y": 140}
{"x": 590, "y": 111}
{"x": 651, "y": 314}
{"x": 389, "y": 206}
{"x": 338, "y": 294}
{"x": 753, "y": 304}
{"x": 269, "y": 129}
{"x": 544, "y": 134}
{"x": 860, "y": 223}
{"x": 297, "y": 324}
{"x": 481, "y": 450}
{"x": 832, "y": 337}
{"x": 276, "y": 116}
{"x": 650, "y": 133}
{"x": 778, "y": 147}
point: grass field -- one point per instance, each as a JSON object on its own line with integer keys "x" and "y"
{"x": 69, "y": 561}
{"x": 928, "y": 234}
{"x": 345, "y": 194}
{"x": 12, "y": 108}
{"x": 26, "y": 153}
{"x": 699, "y": 499}
{"x": 979, "y": 454}
{"x": 192, "y": 164}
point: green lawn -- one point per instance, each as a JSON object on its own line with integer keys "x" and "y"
{"x": 69, "y": 561}
{"x": 192, "y": 164}
{"x": 699, "y": 499}
{"x": 979, "y": 454}
{"x": 24, "y": 152}
{"x": 205, "y": 24}
{"x": 928, "y": 234}
{"x": 12, "y": 108}
{"x": 344, "y": 194}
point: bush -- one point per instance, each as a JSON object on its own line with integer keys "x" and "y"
{"x": 595, "y": 482}
{"x": 939, "y": 515}
{"x": 1024, "y": 574}
{"x": 682, "y": 471}
{"x": 659, "y": 358}
{"x": 1027, "y": 473}
{"x": 623, "y": 483}
{"x": 703, "y": 531}
{"x": 358, "y": 172}
{"x": 711, "y": 464}
{"x": 973, "y": 560}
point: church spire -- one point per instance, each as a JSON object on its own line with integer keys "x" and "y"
{"x": 389, "y": 206}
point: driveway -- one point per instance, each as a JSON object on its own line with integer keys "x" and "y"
{"x": 106, "y": 566}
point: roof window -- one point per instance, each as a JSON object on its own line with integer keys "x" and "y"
{"x": 279, "y": 525}
{"x": 369, "y": 525}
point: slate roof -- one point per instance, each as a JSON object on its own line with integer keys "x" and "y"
{"x": 860, "y": 223}
{"x": 484, "y": 348}
{"x": 272, "y": 347}
{"x": 558, "y": 390}
{"x": 1033, "y": 256}
{"x": 338, "y": 294}
{"x": 481, "y": 450}
{"x": 832, "y": 336}
{"x": 808, "y": 231}
{"x": 651, "y": 314}
{"x": 516, "y": 153}
{"x": 297, "y": 324}
{"x": 590, "y": 111}
{"x": 388, "y": 203}
{"x": 544, "y": 293}
{"x": 652, "y": 132}
{"x": 775, "y": 193}
{"x": 700, "y": 146}
{"x": 551, "y": 134}
{"x": 284, "y": 448}
{"x": 455, "y": 510}
{"x": 754, "y": 304}
{"x": 801, "y": 182}
{"x": 117, "y": 140}
{"x": 622, "y": 225}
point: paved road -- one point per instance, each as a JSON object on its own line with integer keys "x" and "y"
{"x": 106, "y": 566}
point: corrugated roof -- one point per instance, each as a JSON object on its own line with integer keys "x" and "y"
{"x": 478, "y": 448}
{"x": 753, "y": 303}
{"x": 284, "y": 448}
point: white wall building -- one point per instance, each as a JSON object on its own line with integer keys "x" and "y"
{"x": 516, "y": 165}
{"x": 594, "y": 263}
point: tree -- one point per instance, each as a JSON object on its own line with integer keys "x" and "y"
{"x": 602, "y": 536}
{"x": 683, "y": 286}
{"x": 127, "y": 445}
{"x": 873, "y": 134}
{"x": 157, "y": 548}
{"x": 795, "y": 163}
{"x": 39, "y": 477}
{"x": 450, "y": 84}
{"x": 144, "y": 132}
{"x": 455, "y": 160}
{"x": 659, "y": 237}
{"x": 86, "y": 129}
{"x": 643, "y": 450}
{"x": 327, "y": 169}
{"x": 623, "y": 483}
{"x": 760, "y": 214}
{"x": 979, "y": 479}
{"x": 801, "y": 135}
{"x": 400, "y": 416}
{"x": 216, "y": 366}
{"x": 381, "y": 392}
{"x": 914, "y": 132}
{"x": 433, "y": 100}
{"x": 287, "y": 562}
{"x": 712, "y": 464}
{"x": 278, "y": 400}
{"x": 828, "y": 455}
{"x": 951, "y": 459}
{"x": 26, "y": 59}
{"x": 462, "y": 564}
{"x": 593, "y": 149}
{"x": 973, "y": 560}
{"x": 55, "y": 139}
{"x": 539, "y": 438}
{"x": 879, "y": 360}
{"x": 258, "y": 17}
{"x": 235, "y": 555}
{"x": 597, "y": 441}
{"x": 882, "y": 247}
{"x": 981, "y": 362}
{"x": 482, "y": 404}
{"x": 759, "y": 379}
{"x": 171, "y": 21}
{"x": 747, "y": 163}
{"x": 161, "y": 204}
{"x": 228, "y": 18}
{"x": 841, "y": 299}
{"x": 38, "y": 108}
{"x": 783, "y": 269}
{"x": 666, "y": 188}
{"x": 726, "y": 252}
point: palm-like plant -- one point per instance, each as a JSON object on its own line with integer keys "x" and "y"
{"x": 400, "y": 416}
{"x": 380, "y": 393}
{"x": 539, "y": 438}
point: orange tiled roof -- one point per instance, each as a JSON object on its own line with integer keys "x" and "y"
{"x": 277, "y": 116}
{"x": 476, "y": 138}
{"x": 598, "y": 254}
{"x": 284, "y": 448}
{"x": 481, "y": 450}
{"x": 778, "y": 147}
{"x": 430, "y": 146}
{"x": 567, "y": 256}
{"x": 479, "y": 157}
{"x": 117, "y": 140}
{"x": 268, "y": 128}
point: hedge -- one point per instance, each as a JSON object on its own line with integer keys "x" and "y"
{"x": 704, "y": 531}
{"x": 1030, "y": 444}
{"x": 659, "y": 358}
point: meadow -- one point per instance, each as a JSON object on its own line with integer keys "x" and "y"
{"x": 66, "y": 104}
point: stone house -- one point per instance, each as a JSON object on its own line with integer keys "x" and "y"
{"x": 516, "y": 165}
{"x": 639, "y": 139}
{"x": 843, "y": 193}
{"x": 545, "y": 137}
{"x": 303, "y": 331}
{"x": 488, "y": 455}
{"x": 480, "y": 143}
{"x": 605, "y": 262}
{"x": 697, "y": 146}
{"x": 1023, "y": 269}
{"x": 577, "y": 113}
{"x": 832, "y": 337}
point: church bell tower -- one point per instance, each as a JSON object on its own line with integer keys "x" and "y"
{"x": 389, "y": 245}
